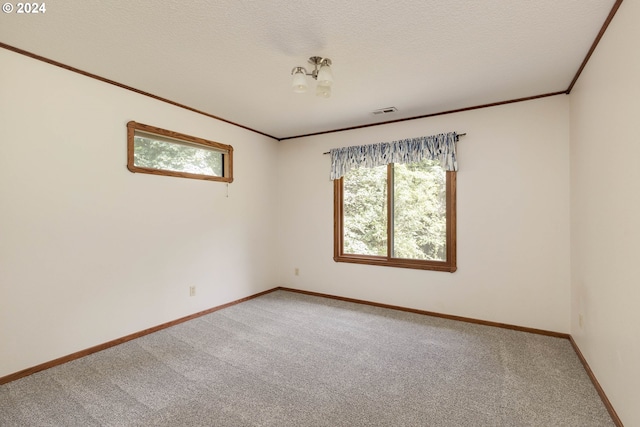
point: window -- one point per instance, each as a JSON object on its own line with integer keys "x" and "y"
{"x": 163, "y": 152}
{"x": 398, "y": 215}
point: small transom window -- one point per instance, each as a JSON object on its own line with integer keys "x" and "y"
{"x": 162, "y": 152}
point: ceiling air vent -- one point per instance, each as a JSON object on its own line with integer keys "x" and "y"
{"x": 385, "y": 110}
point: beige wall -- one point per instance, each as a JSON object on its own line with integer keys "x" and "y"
{"x": 513, "y": 218}
{"x": 89, "y": 251}
{"x": 605, "y": 212}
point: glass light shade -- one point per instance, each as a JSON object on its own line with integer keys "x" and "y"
{"x": 299, "y": 82}
{"x": 323, "y": 91}
{"x": 325, "y": 76}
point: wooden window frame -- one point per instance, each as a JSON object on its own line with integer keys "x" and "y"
{"x": 449, "y": 265}
{"x": 226, "y": 150}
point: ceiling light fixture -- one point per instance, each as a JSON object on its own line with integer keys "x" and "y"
{"x": 321, "y": 72}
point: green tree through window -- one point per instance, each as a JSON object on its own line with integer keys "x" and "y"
{"x": 420, "y": 211}
{"x": 365, "y": 211}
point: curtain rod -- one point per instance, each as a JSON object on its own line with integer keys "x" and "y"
{"x": 460, "y": 134}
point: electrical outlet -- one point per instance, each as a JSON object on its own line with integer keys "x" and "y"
{"x": 192, "y": 291}
{"x": 296, "y": 271}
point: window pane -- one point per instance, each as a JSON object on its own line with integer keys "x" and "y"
{"x": 420, "y": 211}
{"x": 365, "y": 211}
{"x": 165, "y": 155}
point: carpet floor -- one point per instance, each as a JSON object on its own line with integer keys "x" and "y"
{"x": 288, "y": 359}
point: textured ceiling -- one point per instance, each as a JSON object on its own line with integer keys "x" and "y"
{"x": 233, "y": 58}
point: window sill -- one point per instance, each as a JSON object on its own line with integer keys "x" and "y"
{"x": 397, "y": 262}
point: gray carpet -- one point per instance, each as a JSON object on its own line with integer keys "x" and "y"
{"x": 287, "y": 359}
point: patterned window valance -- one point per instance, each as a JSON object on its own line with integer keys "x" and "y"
{"x": 440, "y": 147}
